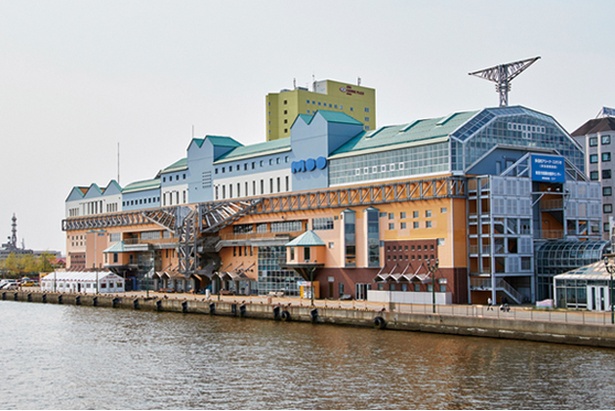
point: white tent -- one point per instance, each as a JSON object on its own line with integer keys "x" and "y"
{"x": 89, "y": 282}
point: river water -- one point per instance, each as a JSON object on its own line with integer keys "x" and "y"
{"x": 69, "y": 357}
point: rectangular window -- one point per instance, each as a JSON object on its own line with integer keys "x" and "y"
{"x": 427, "y": 213}
{"x": 607, "y": 208}
{"x": 402, "y": 214}
{"x": 605, "y": 140}
{"x": 391, "y": 226}
{"x": 322, "y": 223}
{"x": 403, "y": 226}
{"x": 373, "y": 237}
{"x": 428, "y": 224}
{"x": 350, "y": 244}
{"x": 593, "y": 158}
{"x": 606, "y": 156}
{"x": 415, "y": 224}
{"x": 606, "y": 173}
{"x": 593, "y": 175}
{"x": 286, "y": 226}
{"x": 607, "y": 191}
{"x": 415, "y": 214}
{"x": 593, "y": 141}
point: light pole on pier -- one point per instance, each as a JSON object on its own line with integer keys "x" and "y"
{"x": 432, "y": 266}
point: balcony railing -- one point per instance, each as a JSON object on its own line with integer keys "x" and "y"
{"x": 254, "y": 236}
{"x": 153, "y": 241}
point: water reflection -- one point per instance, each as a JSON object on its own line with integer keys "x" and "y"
{"x": 85, "y": 357}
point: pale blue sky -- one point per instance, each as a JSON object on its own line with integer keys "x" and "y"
{"x": 79, "y": 77}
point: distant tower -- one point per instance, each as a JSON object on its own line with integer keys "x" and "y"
{"x": 12, "y": 243}
{"x": 503, "y": 74}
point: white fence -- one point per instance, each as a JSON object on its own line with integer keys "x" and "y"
{"x": 408, "y": 297}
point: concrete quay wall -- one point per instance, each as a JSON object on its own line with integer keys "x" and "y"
{"x": 595, "y": 335}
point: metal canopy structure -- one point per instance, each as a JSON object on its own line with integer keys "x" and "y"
{"x": 503, "y": 74}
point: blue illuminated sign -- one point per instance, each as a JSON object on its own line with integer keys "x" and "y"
{"x": 311, "y": 164}
{"x": 549, "y": 169}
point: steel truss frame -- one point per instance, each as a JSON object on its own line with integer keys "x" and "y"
{"x": 190, "y": 223}
{"x": 391, "y": 192}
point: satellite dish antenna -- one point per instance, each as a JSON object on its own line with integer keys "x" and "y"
{"x": 503, "y": 74}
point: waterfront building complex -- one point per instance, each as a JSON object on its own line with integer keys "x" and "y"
{"x": 597, "y": 137}
{"x": 283, "y": 108}
{"x": 453, "y": 209}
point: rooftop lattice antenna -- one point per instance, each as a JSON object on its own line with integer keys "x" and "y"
{"x": 503, "y": 74}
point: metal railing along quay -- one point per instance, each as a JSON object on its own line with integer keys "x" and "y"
{"x": 515, "y": 313}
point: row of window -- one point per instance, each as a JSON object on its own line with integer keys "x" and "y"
{"x": 167, "y": 198}
{"x": 405, "y": 247}
{"x": 415, "y": 224}
{"x": 593, "y": 158}
{"x": 251, "y": 165}
{"x": 141, "y": 201}
{"x": 593, "y": 175}
{"x": 234, "y": 190}
{"x": 605, "y": 140}
{"x": 404, "y": 162}
{"x": 242, "y": 251}
{"x": 415, "y": 214}
{"x": 164, "y": 178}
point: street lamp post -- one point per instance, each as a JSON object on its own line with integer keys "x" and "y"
{"x": 610, "y": 267}
{"x": 432, "y": 266}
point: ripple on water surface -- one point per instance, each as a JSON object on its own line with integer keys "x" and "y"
{"x": 66, "y": 357}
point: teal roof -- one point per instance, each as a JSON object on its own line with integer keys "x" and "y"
{"x": 116, "y": 248}
{"x": 418, "y": 131}
{"x": 223, "y": 141}
{"x": 142, "y": 185}
{"x": 177, "y": 166}
{"x": 274, "y": 146}
{"x": 198, "y": 141}
{"x": 307, "y": 239}
{"x": 337, "y": 117}
{"x": 305, "y": 117}
{"x": 330, "y": 116}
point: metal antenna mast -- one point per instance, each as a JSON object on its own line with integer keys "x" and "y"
{"x": 503, "y": 74}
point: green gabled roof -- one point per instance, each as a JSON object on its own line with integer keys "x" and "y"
{"x": 142, "y": 185}
{"x": 305, "y": 117}
{"x": 307, "y": 239}
{"x": 112, "y": 184}
{"x": 223, "y": 141}
{"x": 417, "y": 132}
{"x": 76, "y": 193}
{"x": 198, "y": 141}
{"x": 274, "y": 146}
{"x": 177, "y": 166}
{"x": 338, "y": 117}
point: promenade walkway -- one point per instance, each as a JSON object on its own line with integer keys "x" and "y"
{"x": 524, "y": 313}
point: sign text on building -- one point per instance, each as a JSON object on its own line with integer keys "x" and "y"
{"x": 550, "y": 169}
{"x": 311, "y": 164}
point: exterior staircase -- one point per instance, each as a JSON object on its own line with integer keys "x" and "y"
{"x": 484, "y": 283}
